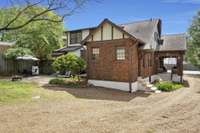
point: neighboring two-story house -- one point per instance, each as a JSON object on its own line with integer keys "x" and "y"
{"x": 72, "y": 40}
{"x": 117, "y": 55}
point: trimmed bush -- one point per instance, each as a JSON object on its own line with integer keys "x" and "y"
{"x": 168, "y": 86}
{"x": 57, "y": 81}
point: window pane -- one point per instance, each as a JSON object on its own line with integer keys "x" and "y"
{"x": 120, "y": 54}
{"x": 95, "y": 53}
{"x": 75, "y": 37}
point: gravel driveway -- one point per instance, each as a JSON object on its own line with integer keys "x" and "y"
{"x": 108, "y": 111}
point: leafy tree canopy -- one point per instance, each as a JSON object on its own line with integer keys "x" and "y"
{"x": 13, "y": 53}
{"x": 62, "y": 8}
{"x": 69, "y": 62}
{"x": 193, "y": 52}
{"x": 41, "y": 37}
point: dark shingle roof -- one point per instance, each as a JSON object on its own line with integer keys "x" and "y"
{"x": 68, "y": 49}
{"x": 65, "y": 50}
{"x": 175, "y": 42}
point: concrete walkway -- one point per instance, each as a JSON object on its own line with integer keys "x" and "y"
{"x": 40, "y": 80}
{"x": 188, "y": 72}
{"x": 191, "y": 72}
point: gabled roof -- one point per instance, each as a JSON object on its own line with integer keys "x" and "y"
{"x": 142, "y": 30}
{"x": 87, "y": 28}
{"x": 116, "y": 26}
{"x": 174, "y": 42}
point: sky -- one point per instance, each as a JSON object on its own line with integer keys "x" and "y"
{"x": 176, "y": 15}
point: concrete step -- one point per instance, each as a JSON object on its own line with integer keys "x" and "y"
{"x": 149, "y": 85}
{"x": 154, "y": 88}
{"x": 158, "y": 91}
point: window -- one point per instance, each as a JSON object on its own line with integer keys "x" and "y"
{"x": 75, "y": 37}
{"x": 120, "y": 53}
{"x": 95, "y": 53}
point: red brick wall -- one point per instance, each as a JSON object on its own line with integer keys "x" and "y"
{"x": 107, "y": 67}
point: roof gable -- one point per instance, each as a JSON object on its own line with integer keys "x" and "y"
{"x": 106, "y": 21}
{"x": 143, "y": 30}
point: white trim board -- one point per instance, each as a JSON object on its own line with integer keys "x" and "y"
{"x": 124, "y": 86}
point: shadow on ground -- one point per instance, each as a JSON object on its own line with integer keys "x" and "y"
{"x": 98, "y": 93}
{"x": 186, "y": 83}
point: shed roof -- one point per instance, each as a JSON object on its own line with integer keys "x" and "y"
{"x": 68, "y": 49}
{"x": 175, "y": 42}
{"x": 64, "y": 50}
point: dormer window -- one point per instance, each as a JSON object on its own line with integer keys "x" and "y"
{"x": 75, "y": 37}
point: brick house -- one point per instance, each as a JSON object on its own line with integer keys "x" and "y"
{"x": 118, "y": 54}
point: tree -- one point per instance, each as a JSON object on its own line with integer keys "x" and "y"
{"x": 41, "y": 37}
{"x": 193, "y": 52}
{"x": 69, "y": 62}
{"x": 13, "y": 53}
{"x": 62, "y": 8}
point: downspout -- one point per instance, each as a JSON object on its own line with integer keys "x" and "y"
{"x": 129, "y": 69}
{"x": 87, "y": 60}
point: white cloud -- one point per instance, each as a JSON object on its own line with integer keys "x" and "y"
{"x": 182, "y": 1}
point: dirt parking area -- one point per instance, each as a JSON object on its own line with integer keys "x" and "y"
{"x": 97, "y": 110}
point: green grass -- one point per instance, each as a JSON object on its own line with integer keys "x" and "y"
{"x": 12, "y": 92}
{"x": 168, "y": 86}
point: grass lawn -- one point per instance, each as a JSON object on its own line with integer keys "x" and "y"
{"x": 12, "y": 92}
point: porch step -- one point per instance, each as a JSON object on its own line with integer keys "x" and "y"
{"x": 154, "y": 88}
{"x": 158, "y": 91}
{"x": 149, "y": 85}
{"x": 146, "y": 86}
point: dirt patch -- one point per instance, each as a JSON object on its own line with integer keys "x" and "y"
{"x": 103, "y": 110}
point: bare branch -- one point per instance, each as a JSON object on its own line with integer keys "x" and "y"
{"x": 68, "y": 6}
{"x": 19, "y": 14}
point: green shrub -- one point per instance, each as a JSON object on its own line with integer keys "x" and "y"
{"x": 69, "y": 62}
{"x": 57, "y": 81}
{"x": 64, "y": 82}
{"x": 168, "y": 86}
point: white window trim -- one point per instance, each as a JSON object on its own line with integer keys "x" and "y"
{"x": 120, "y": 54}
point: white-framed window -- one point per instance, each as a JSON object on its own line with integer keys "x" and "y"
{"x": 95, "y": 53}
{"x": 120, "y": 54}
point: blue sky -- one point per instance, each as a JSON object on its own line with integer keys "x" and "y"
{"x": 176, "y": 15}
